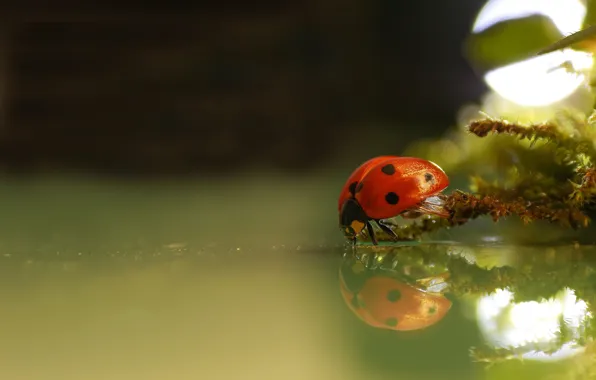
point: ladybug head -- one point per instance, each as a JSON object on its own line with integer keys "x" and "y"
{"x": 352, "y": 218}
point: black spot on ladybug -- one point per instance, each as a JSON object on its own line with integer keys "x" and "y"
{"x": 393, "y": 295}
{"x": 352, "y": 187}
{"x": 428, "y": 177}
{"x": 392, "y": 198}
{"x": 391, "y": 322}
{"x": 432, "y": 310}
{"x": 359, "y": 187}
{"x": 388, "y": 169}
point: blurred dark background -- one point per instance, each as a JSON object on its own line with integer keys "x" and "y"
{"x": 219, "y": 87}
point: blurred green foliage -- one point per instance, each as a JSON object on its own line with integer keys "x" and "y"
{"x": 590, "y": 18}
{"x": 514, "y": 40}
{"x": 510, "y": 41}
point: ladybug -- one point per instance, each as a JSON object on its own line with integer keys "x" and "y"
{"x": 387, "y": 303}
{"x": 385, "y": 187}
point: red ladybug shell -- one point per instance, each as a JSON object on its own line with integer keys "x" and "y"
{"x": 387, "y": 303}
{"x": 350, "y": 187}
{"x": 396, "y": 184}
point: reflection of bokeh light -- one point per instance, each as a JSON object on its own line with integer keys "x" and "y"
{"x": 537, "y": 81}
{"x": 512, "y": 325}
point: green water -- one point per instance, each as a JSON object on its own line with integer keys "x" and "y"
{"x": 242, "y": 280}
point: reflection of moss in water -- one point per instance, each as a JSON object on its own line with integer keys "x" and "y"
{"x": 539, "y": 272}
{"x": 529, "y": 273}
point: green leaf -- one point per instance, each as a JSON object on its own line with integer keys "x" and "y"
{"x": 590, "y": 18}
{"x": 510, "y": 41}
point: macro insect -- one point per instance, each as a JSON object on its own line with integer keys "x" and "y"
{"x": 385, "y": 187}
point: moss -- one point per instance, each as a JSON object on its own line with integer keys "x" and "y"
{"x": 553, "y": 178}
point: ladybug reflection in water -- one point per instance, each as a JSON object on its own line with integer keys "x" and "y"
{"x": 386, "y": 303}
{"x": 385, "y": 187}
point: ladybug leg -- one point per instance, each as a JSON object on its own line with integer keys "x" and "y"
{"x": 371, "y": 232}
{"x": 387, "y": 229}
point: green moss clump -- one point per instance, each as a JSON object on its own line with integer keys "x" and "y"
{"x": 551, "y": 178}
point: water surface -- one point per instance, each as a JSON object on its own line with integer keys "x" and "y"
{"x": 251, "y": 280}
